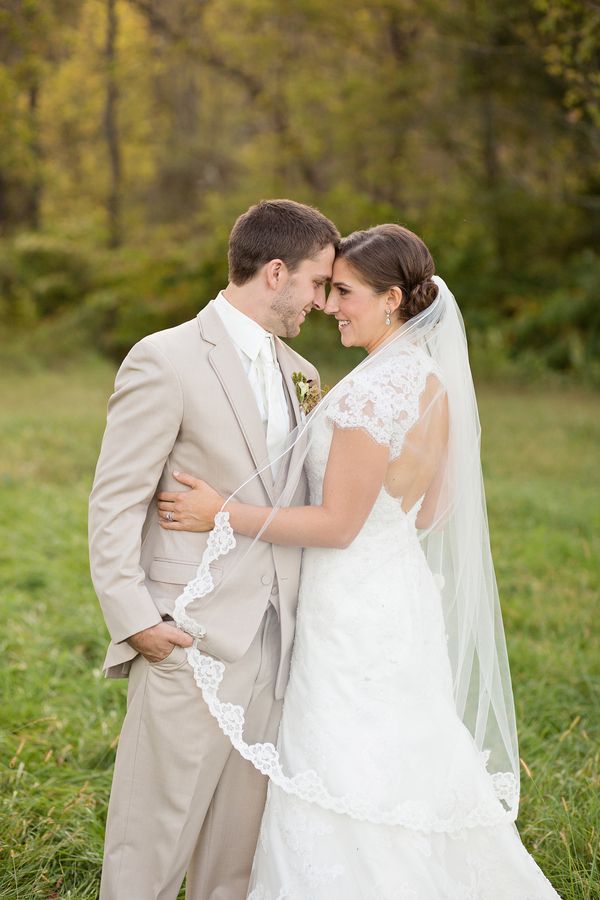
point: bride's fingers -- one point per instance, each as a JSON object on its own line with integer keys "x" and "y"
{"x": 171, "y": 526}
{"x": 169, "y": 515}
{"x": 190, "y": 480}
{"x": 166, "y": 504}
{"x": 168, "y": 496}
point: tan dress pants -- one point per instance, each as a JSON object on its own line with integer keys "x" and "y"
{"x": 182, "y": 799}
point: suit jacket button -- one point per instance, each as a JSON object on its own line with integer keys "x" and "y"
{"x": 266, "y": 579}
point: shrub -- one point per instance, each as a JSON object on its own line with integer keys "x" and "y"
{"x": 563, "y": 328}
{"x": 41, "y": 276}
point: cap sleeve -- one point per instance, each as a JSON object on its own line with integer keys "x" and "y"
{"x": 382, "y": 399}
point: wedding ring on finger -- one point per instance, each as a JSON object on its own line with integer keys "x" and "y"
{"x": 169, "y": 516}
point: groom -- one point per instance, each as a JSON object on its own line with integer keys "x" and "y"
{"x": 213, "y": 396}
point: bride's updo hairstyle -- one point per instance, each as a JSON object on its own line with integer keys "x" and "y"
{"x": 390, "y": 255}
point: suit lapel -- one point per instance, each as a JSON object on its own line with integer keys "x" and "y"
{"x": 286, "y": 365}
{"x": 287, "y": 370}
{"x": 227, "y": 365}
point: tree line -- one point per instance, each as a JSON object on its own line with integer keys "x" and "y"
{"x": 135, "y": 131}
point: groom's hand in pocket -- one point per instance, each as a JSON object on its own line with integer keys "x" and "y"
{"x": 156, "y": 643}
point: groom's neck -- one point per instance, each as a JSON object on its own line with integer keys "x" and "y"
{"x": 249, "y": 299}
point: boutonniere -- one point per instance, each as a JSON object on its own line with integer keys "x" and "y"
{"x": 307, "y": 392}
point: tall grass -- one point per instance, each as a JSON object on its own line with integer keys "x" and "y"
{"x": 59, "y": 719}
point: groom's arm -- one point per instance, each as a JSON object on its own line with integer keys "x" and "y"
{"x": 144, "y": 417}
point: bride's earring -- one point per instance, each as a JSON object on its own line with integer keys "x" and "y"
{"x": 388, "y": 317}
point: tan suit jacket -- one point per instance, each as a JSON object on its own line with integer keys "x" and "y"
{"x": 182, "y": 402}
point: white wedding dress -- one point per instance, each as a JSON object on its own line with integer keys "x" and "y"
{"x": 385, "y": 795}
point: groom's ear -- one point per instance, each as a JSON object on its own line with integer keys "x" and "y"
{"x": 275, "y": 272}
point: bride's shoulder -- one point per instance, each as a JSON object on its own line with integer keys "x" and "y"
{"x": 406, "y": 366}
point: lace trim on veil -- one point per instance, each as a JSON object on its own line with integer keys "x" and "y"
{"x": 308, "y": 785}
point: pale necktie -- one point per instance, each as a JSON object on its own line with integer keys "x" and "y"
{"x": 277, "y": 414}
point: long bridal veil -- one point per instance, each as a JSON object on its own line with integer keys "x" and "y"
{"x": 454, "y": 536}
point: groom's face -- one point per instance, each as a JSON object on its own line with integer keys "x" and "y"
{"x": 301, "y": 291}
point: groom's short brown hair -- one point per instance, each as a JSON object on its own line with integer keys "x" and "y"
{"x": 277, "y": 229}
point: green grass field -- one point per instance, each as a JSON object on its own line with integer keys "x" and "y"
{"x": 59, "y": 719}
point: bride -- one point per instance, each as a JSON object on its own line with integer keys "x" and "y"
{"x": 395, "y": 776}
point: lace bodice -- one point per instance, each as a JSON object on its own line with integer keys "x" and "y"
{"x": 383, "y": 398}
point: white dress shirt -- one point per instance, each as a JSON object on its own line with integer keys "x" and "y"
{"x": 256, "y": 349}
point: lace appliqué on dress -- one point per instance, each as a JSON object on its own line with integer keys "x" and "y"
{"x": 384, "y": 400}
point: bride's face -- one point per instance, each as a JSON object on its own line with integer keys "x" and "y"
{"x": 359, "y": 311}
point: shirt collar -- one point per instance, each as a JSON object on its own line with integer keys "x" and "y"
{"x": 247, "y": 334}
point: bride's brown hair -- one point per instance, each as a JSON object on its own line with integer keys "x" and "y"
{"x": 390, "y": 255}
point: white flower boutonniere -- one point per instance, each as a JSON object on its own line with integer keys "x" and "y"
{"x": 307, "y": 392}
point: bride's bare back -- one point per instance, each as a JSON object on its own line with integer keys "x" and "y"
{"x": 418, "y": 470}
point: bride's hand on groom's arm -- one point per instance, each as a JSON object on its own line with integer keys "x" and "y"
{"x": 192, "y": 510}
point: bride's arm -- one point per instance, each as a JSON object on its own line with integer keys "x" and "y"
{"x": 354, "y": 476}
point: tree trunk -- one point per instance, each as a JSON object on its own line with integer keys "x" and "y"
{"x": 492, "y": 176}
{"x": 34, "y": 194}
{"x": 111, "y": 128}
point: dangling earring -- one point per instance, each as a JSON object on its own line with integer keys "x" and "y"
{"x": 388, "y": 317}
